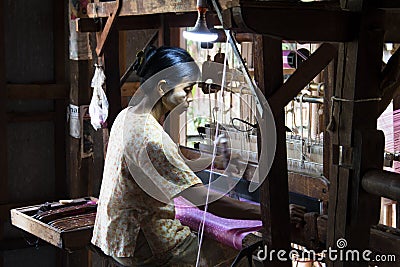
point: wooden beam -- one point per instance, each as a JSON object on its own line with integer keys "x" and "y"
{"x": 87, "y": 25}
{"x": 37, "y": 91}
{"x": 382, "y": 183}
{"x": 150, "y": 21}
{"x": 303, "y": 75}
{"x": 274, "y": 193}
{"x": 104, "y": 36}
{"x": 140, "y": 7}
{"x": 311, "y": 22}
{"x": 164, "y": 37}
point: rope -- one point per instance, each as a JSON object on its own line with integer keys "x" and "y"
{"x": 332, "y": 123}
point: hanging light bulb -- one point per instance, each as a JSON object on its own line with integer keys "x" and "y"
{"x": 200, "y": 32}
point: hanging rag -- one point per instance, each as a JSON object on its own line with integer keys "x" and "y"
{"x": 98, "y": 108}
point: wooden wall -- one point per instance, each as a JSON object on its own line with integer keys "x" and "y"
{"x": 33, "y": 91}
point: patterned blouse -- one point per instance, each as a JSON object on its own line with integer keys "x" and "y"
{"x": 143, "y": 172}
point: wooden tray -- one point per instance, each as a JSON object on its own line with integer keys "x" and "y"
{"x": 70, "y": 240}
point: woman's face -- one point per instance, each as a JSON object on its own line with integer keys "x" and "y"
{"x": 180, "y": 96}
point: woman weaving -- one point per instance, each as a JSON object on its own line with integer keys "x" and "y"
{"x": 144, "y": 172}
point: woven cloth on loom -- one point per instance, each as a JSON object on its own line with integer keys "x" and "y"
{"x": 226, "y": 231}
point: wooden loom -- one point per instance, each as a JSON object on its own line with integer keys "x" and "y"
{"x": 359, "y": 29}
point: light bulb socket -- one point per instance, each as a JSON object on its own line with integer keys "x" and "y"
{"x": 200, "y": 32}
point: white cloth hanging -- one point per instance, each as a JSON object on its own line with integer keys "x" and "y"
{"x": 98, "y": 108}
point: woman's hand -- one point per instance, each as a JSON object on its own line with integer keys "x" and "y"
{"x": 222, "y": 162}
{"x": 296, "y": 214}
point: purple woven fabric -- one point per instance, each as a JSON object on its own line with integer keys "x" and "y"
{"x": 226, "y": 231}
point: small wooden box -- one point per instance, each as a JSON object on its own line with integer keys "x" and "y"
{"x": 70, "y": 239}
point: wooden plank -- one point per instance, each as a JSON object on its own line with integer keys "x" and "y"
{"x": 104, "y": 36}
{"x": 37, "y": 91}
{"x": 31, "y": 116}
{"x": 141, "y": 7}
{"x": 150, "y": 21}
{"x": 303, "y": 75}
{"x": 274, "y": 194}
{"x": 311, "y": 22}
{"x": 38, "y": 228}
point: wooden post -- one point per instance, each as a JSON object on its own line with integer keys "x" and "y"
{"x": 3, "y": 125}
{"x": 170, "y": 37}
{"x": 111, "y": 70}
{"x": 352, "y": 211}
{"x": 396, "y": 106}
{"x": 79, "y": 169}
{"x": 80, "y": 94}
{"x": 60, "y": 104}
{"x": 3, "y": 119}
{"x": 274, "y": 195}
{"x": 329, "y": 81}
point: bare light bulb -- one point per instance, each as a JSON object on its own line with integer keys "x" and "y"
{"x": 200, "y": 32}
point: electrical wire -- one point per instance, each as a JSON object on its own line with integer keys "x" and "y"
{"x": 201, "y": 232}
{"x": 253, "y": 126}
